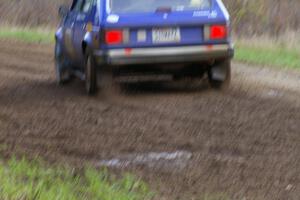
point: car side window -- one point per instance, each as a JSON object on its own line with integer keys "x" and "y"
{"x": 78, "y": 6}
{"x": 87, "y": 6}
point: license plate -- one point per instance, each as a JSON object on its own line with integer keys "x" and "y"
{"x": 165, "y": 35}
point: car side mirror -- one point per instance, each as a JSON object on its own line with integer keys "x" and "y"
{"x": 63, "y": 11}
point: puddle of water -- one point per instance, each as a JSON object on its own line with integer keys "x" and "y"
{"x": 272, "y": 94}
{"x": 177, "y": 160}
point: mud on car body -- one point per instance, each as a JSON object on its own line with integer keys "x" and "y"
{"x": 181, "y": 38}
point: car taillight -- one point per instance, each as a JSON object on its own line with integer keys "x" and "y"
{"x": 114, "y": 37}
{"x": 218, "y": 32}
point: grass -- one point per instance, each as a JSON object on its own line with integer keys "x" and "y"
{"x": 275, "y": 56}
{"x": 33, "y": 181}
{"x": 282, "y": 52}
{"x": 31, "y": 35}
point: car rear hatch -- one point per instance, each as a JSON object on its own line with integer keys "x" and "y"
{"x": 164, "y": 27}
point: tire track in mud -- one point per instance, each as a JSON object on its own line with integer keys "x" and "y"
{"x": 244, "y": 142}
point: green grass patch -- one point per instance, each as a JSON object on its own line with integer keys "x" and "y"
{"x": 28, "y": 35}
{"x": 276, "y": 56}
{"x": 33, "y": 181}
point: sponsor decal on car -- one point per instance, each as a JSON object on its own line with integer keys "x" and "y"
{"x": 112, "y": 19}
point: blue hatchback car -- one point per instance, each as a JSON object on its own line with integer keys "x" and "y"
{"x": 174, "y": 38}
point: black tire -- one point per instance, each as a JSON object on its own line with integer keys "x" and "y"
{"x": 219, "y": 75}
{"x": 90, "y": 74}
{"x": 62, "y": 71}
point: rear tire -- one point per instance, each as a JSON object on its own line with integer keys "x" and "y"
{"x": 62, "y": 71}
{"x": 90, "y": 74}
{"x": 219, "y": 75}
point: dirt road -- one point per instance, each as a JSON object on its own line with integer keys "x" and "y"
{"x": 241, "y": 144}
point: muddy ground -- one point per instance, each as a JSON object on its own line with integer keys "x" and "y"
{"x": 243, "y": 143}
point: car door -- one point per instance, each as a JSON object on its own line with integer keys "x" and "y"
{"x": 84, "y": 20}
{"x": 69, "y": 29}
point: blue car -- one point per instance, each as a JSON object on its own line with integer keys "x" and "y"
{"x": 140, "y": 38}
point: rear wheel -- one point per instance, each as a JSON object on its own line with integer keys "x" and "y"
{"x": 90, "y": 74}
{"x": 219, "y": 75}
{"x": 62, "y": 71}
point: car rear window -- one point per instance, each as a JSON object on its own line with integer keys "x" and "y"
{"x": 136, "y": 6}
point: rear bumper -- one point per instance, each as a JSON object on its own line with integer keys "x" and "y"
{"x": 164, "y": 54}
